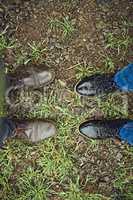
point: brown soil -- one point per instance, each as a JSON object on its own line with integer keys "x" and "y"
{"x": 29, "y": 21}
{"x": 86, "y": 44}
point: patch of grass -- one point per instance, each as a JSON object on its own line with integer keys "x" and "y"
{"x": 35, "y": 52}
{"x": 124, "y": 180}
{"x": 32, "y": 185}
{"x": 56, "y": 162}
{"x": 6, "y": 171}
{"x": 22, "y": 58}
{"x": 5, "y": 44}
{"x": 119, "y": 43}
{"x": 75, "y": 192}
{"x": 111, "y": 105}
{"x": 126, "y": 25}
{"x": 109, "y": 64}
{"x": 83, "y": 69}
{"x": 65, "y": 25}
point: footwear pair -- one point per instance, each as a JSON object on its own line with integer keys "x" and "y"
{"x": 101, "y": 84}
{"x": 30, "y": 130}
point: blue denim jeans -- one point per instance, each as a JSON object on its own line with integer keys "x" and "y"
{"x": 6, "y": 129}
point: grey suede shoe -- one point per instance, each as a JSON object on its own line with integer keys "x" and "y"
{"x": 40, "y": 79}
{"x": 35, "y": 131}
{"x": 35, "y": 81}
{"x": 32, "y": 131}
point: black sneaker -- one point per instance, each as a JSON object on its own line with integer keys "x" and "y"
{"x": 97, "y": 84}
{"x": 120, "y": 128}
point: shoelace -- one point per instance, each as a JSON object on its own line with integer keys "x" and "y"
{"x": 19, "y": 132}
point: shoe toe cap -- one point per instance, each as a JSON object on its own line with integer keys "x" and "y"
{"x": 85, "y": 88}
{"x": 50, "y": 129}
{"x": 39, "y": 130}
{"x": 88, "y": 130}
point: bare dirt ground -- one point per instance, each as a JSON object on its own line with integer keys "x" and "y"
{"x": 29, "y": 21}
{"x": 99, "y": 165}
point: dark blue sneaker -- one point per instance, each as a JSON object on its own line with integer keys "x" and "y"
{"x": 99, "y": 84}
{"x": 96, "y": 129}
